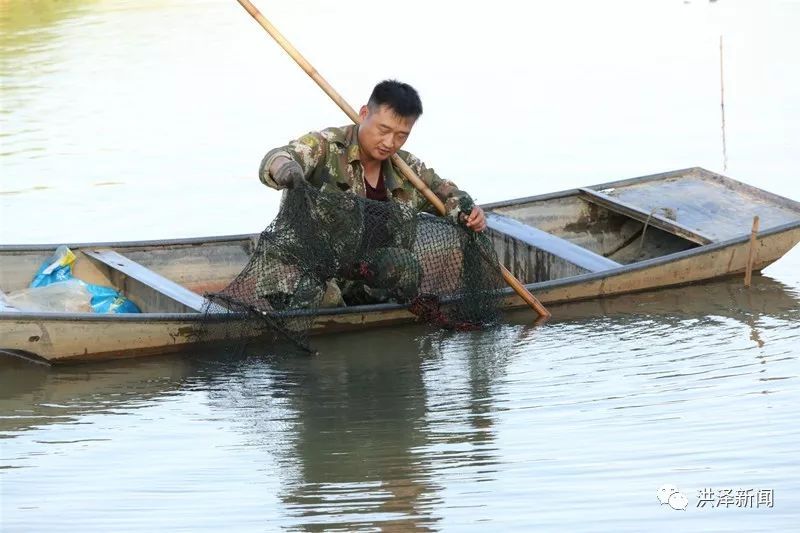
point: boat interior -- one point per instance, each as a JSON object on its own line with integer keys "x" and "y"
{"x": 607, "y": 226}
{"x": 159, "y": 277}
{"x": 553, "y": 238}
{"x": 542, "y": 238}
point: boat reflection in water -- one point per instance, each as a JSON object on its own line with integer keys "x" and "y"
{"x": 707, "y": 303}
{"x": 364, "y": 428}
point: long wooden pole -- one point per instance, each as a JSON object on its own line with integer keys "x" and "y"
{"x": 407, "y": 172}
{"x": 751, "y": 253}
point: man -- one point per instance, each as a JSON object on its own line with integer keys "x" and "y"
{"x": 357, "y": 159}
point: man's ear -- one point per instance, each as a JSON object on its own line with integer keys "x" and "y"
{"x": 362, "y": 113}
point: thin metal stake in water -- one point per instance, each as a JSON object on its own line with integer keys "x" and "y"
{"x": 722, "y": 106}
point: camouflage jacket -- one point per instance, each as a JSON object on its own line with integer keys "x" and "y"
{"x": 331, "y": 158}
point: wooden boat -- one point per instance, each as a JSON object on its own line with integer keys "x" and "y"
{"x": 626, "y": 236}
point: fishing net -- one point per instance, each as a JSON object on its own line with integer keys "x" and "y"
{"x": 329, "y": 249}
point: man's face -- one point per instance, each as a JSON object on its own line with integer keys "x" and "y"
{"x": 382, "y": 132}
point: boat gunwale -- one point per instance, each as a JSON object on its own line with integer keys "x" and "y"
{"x": 727, "y": 182}
{"x": 154, "y": 243}
{"x": 337, "y": 311}
{"x": 576, "y": 190}
{"x": 730, "y": 183}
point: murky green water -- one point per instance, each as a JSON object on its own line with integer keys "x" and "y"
{"x": 145, "y": 119}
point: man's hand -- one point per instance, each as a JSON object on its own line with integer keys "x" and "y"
{"x": 287, "y": 173}
{"x": 476, "y": 221}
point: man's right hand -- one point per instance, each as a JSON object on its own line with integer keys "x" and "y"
{"x": 287, "y": 173}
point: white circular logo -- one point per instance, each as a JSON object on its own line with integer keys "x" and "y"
{"x": 670, "y": 495}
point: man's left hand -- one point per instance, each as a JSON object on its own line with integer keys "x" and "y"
{"x": 476, "y": 221}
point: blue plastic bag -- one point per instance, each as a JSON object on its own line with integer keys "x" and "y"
{"x": 108, "y": 300}
{"x": 59, "y": 268}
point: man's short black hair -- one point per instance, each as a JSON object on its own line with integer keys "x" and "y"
{"x": 400, "y": 97}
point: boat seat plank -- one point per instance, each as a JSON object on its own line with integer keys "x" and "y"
{"x": 169, "y": 296}
{"x": 709, "y": 203}
{"x": 548, "y": 242}
{"x": 652, "y": 218}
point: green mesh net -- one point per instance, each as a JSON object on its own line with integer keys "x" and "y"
{"x": 329, "y": 249}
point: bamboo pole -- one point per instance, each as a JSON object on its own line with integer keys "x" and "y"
{"x": 407, "y": 172}
{"x": 751, "y": 253}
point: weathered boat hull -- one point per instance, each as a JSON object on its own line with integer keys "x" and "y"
{"x": 700, "y": 264}
{"x": 75, "y": 338}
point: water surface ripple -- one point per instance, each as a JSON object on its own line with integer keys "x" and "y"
{"x": 572, "y": 425}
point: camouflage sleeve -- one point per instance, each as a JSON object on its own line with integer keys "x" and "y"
{"x": 447, "y": 191}
{"x": 309, "y": 151}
